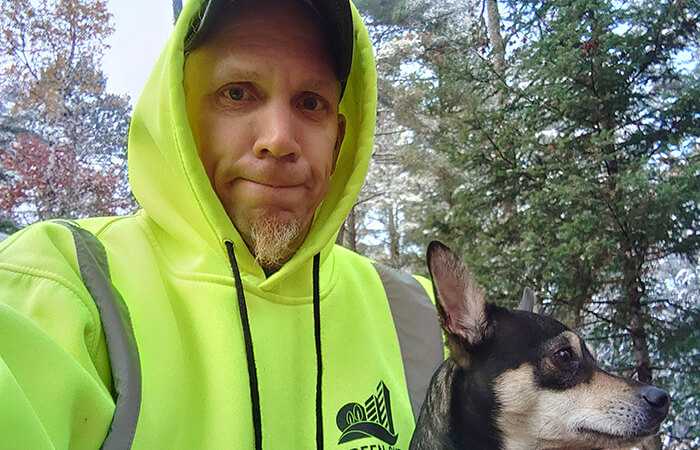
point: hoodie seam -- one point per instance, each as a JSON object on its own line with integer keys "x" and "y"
{"x": 228, "y": 280}
{"x": 103, "y": 228}
{"x": 93, "y": 334}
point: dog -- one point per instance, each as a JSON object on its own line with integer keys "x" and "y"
{"x": 519, "y": 380}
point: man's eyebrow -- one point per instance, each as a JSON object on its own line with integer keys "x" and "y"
{"x": 317, "y": 84}
{"x": 233, "y": 74}
{"x": 237, "y": 74}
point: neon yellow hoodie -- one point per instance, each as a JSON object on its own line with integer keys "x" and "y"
{"x": 170, "y": 264}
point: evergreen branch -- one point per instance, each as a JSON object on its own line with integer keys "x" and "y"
{"x": 593, "y": 313}
{"x": 370, "y": 198}
{"x": 607, "y": 337}
{"x": 389, "y": 133}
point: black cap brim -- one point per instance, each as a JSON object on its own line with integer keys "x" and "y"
{"x": 335, "y": 15}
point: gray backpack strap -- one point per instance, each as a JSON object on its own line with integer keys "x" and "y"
{"x": 418, "y": 330}
{"x": 119, "y": 336}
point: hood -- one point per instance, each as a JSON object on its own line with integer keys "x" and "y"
{"x": 171, "y": 185}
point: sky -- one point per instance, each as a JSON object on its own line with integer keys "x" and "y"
{"x": 141, "y": 29}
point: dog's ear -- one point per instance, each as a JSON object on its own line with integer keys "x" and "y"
{"x": 459, "y": 300}
{"x": 528, "y": 302}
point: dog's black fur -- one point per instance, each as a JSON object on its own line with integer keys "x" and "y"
{"x": 516, "y": 379}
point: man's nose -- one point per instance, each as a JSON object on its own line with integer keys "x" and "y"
{"x": 277, "y": 133}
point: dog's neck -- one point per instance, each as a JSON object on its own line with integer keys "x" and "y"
{"x": 444, "y": 423}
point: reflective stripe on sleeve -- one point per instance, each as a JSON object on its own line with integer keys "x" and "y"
{"x": 119, "y": 336}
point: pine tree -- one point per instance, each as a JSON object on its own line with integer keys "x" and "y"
{"x": 571, "y": 166}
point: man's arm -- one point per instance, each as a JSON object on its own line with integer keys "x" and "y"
{"x": 54, "y": 372}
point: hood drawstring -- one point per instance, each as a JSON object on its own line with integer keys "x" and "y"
{"x": 252, "y": 371}
{"x": 250, "y": 357}
{"x": 319, "y": 360}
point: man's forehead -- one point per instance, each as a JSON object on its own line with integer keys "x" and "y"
{"x": 334, "y": 18}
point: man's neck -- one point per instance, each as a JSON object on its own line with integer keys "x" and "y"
{"x": 270, "y": 270}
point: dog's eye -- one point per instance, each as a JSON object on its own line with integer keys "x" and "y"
{"x": 563, "y": 358}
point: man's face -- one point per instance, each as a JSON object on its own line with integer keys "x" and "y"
{"x": 262, "y": 100}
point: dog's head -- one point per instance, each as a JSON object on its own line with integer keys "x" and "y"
{"x": 545, "y": 389}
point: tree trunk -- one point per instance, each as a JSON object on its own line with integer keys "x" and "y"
{"x": 498, "y": 47}
{"x": 394, "y": 239}
{"x": 351, "y": 230}
{"x": 347, "y": 237}
{"x": 638, "y": 317}
{"x": 177, "y": 9}
{"x": 340, "y": 240}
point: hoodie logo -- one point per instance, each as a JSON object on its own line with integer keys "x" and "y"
{"x": 373, "y": 419}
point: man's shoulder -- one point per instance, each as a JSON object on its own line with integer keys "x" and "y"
{"x": 41, "y": 238}
{"x": 349, "y": 259}
{"x": 38, "y": 266}
{"x": 383, "y": 270}
{"x": 42, "y": 254}
{"x": 350, "y": 256}
{"x": 47, "y": 247}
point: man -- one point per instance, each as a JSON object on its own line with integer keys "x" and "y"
{"x": 227, "y": 317}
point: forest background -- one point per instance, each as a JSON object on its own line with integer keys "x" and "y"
{"x": 554, "y": 144}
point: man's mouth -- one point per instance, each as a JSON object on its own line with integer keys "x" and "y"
{"x": 276, "y": 185}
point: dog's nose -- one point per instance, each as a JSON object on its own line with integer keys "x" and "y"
{"x": 657, "y": 398}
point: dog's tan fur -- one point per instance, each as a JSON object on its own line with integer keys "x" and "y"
{"x": 597, "y": 414}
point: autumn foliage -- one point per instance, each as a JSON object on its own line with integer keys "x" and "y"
{"x": 42, "y": 182}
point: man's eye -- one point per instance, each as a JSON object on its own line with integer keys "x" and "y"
{"x": 236, "y": 93}
{"x": 312, "y": 103}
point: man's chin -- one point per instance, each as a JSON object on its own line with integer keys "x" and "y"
{"x": 273, "y": 239}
